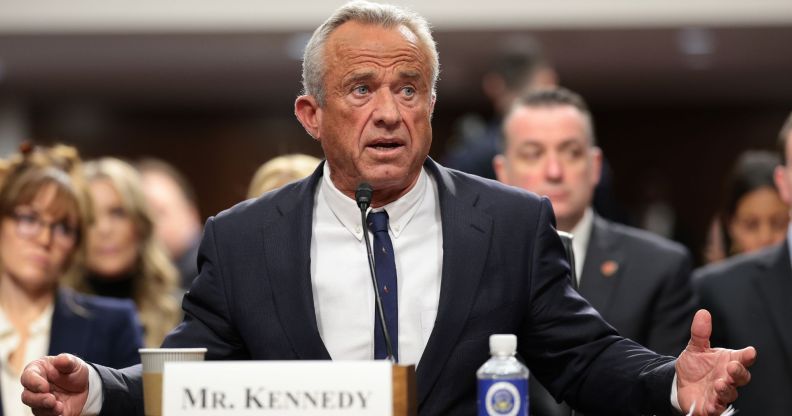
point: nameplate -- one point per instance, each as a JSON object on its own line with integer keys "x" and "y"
{"x": 320, "y": 388}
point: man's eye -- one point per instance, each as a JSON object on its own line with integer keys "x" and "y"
{"x": 361, "y": 90}
{"x": 529, "y": 154}
{"x": 409, "y": 91}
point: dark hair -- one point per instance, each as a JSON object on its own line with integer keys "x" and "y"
{"x": 557, "y": 97}
{"x": 786, "y": 129}
{"x": 752, "y": 171}
{"x": 519, "y": 61}
{"x": 160, "y": 166}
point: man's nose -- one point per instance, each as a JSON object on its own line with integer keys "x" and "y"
{"x": 387, "y": 113}
{"x": 553, "y": 169}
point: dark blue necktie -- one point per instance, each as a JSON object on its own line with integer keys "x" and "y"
{"x": 385, "y": 267}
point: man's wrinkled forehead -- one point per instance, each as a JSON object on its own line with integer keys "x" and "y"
{"x": 355, "y": 36}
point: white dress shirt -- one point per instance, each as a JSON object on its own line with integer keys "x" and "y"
{"x": 343, "y": 293}
{"x": 789, "y": 240}
{"x": 581, "y": 234}
{"x": 37, "y": 346}
{"x": 342, "y": 289}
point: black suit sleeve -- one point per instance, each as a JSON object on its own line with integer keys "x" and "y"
{"x": 574, "y": 353}
{"x": 207, "y": 315}
{"x": 669, "y": 330}
{"x": 207, "y": 323}
{"x": 122, "y": 390}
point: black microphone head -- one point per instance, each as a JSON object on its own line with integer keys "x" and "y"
{"x": 363, "y": 195}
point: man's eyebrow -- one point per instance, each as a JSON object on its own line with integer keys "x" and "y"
{"x": 357, "y": 77}
{"x": 410, "y": 74}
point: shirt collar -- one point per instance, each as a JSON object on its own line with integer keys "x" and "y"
{"x": 789, "y": 240}
{"x": 400, "y": 211}
{"x": 41, "y": 324}
{"x": 581, "y": 235}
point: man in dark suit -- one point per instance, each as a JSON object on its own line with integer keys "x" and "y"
{"x": 750, "y": 296}
{"x": 271, "y": 268}
{"x": 637, "y": 281}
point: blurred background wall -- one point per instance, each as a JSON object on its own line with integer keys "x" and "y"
{"x": 678, "y": 89}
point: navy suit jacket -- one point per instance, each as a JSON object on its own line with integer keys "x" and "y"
{"x": 750, "y": 298}
{"x": 640, "y": 283}
{"x": 504, "y": 271}
{"x": 96, "y": 329}
{"x": 649, "y": 296}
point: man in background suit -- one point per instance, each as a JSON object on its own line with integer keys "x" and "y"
{"x": 177, "y": 222}
{"x": 751, "y": 296}
{"x": 638, "y": 282}
{"x": 520, "y": 65}
{"x": 285, "y": 276}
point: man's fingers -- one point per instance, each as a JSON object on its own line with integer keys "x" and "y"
{"x": 34, "y": 378}
{"x": 700, "y": 330}
{"x": 42, "y": 403}
{"x": 739, "y": 374}
{"x": 725, "y": 392}
{"x": 66, "y": 363}
{"x": 746, "y": 356}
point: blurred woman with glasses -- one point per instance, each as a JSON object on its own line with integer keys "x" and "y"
{"x": 43, "y": 215}
{"x": 124, "y": 260}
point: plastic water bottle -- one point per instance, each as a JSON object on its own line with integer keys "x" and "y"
{"x": 502, "y": 380}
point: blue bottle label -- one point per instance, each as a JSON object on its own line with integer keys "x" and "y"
{"x": 507, "y": 397}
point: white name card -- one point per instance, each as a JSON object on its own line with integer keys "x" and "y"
{"x": 320, "y": 388}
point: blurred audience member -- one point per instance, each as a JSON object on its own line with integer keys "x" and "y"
{"x": 44, "y": 212}
{"x": 177, "y": 221}
{"x": 750, "y": 296}
{"x": 638, "y": 281}
{"x": 124, "y": 260}
{"x": 753, "y": 216}
{"x": 279, "y": 171}
{"x": 520, "y": 67}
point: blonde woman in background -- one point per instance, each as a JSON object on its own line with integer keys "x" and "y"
{"x": 279, "y": 171}
{"x": 123, "y": 258}
{"x": 44, "y": 212}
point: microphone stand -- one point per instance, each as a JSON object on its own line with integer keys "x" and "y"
{"x": 363, "y": 196}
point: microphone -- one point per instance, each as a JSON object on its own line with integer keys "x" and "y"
{"x": 363, "y": 198}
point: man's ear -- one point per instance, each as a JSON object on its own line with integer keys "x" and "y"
{"x": 308, "y": 112}
{"x": 596, "y": 164}
{"x": 499, "y": 166}
{"x": 782, "y": 183}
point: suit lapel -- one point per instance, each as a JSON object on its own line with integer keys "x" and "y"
{"x": 774, "y": 284}
{"x": 466, "y": 241}
{"x": 602, "y": 267}
{"x": 69, "y": 330}
{"x": 287, "y": 248}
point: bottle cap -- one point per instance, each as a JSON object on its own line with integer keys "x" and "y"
{"x": 503, "y": 344}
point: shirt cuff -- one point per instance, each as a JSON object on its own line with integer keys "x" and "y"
{"x": 93, "y": 405}
{"x": 674, "y": 398}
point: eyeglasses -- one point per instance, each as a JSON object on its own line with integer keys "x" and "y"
{"x": 29, "y": 224}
